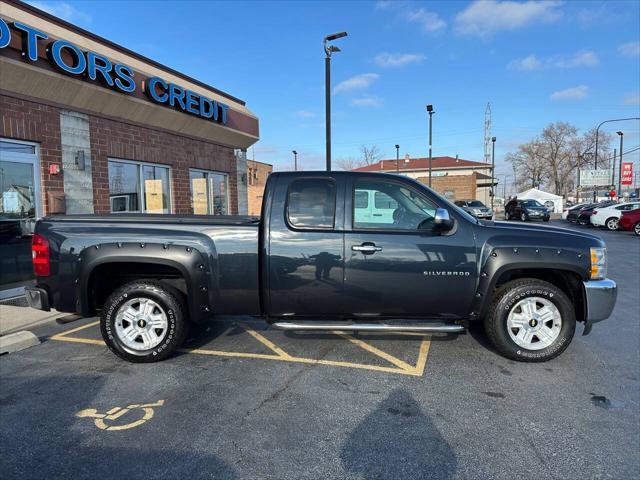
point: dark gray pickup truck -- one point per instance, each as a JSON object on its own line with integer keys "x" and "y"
{"x": 331, "y": 251}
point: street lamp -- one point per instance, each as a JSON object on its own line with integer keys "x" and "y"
{"x": 493, "y": 168}
{"x": 595, "y": 193}
{"x": 431, "y": 112}
{"x": 295, "y": 160}
{"x": 397, "y": 158}
{"x": 619, "y": 165}
{"x": 328, "y": 50}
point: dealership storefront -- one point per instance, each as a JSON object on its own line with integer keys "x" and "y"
{"x": 87, "y": 126}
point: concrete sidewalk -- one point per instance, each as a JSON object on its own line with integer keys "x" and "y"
{"x": 13, "y": 319}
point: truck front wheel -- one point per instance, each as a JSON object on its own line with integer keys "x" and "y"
{"x": 530, "y": 320}
{"x": 143, "y": 321}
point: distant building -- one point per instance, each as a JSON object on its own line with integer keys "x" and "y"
{"x": 257, "y": 173}
{"x": 455, "y": 178}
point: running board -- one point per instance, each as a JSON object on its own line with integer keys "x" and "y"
{"x": 367, "y": 327}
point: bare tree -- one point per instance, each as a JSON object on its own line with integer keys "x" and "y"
{"x": 370, "y": 154}
{"x": 553, "y": 157}
{"x": 349, "y": 163}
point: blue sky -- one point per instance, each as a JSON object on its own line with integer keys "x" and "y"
{"x": 536, "y": 62}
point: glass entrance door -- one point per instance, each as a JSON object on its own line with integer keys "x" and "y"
{"x": 20, "y": 206}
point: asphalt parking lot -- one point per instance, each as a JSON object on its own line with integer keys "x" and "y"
{"x": 243, "y": 402}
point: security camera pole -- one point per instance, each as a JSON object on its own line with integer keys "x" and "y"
{"x": 295, "y": 160}
{"x": 493, "y": 168}
{"x": 397, "y": 158}
{"x": 328, "y": 50}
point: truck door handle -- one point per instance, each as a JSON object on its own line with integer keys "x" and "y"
{"x": 366, "y": 248}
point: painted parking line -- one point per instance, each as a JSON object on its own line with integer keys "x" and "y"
{"x": 399, "y": 366}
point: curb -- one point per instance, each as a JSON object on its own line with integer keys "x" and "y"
{"x": 14, "y": 342}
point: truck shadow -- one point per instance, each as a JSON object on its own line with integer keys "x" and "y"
{"x": 398, "y": 441}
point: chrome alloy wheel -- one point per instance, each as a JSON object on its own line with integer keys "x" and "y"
{"x": 141, "y": 324}
{"x": 534, "y": 323}
{"x": 612, "y": 223}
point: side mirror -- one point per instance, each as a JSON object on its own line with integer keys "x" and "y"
{"x": 442, "y": 220}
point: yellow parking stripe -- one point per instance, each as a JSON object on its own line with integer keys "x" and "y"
{"x": 401, "y": 367}
{"x": 267, "y": 343}
{"x": 376, "y": 351}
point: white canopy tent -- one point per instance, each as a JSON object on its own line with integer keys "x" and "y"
{"x": 545, "y": 198}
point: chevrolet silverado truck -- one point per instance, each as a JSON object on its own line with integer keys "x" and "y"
{"x": 318, "y": 258}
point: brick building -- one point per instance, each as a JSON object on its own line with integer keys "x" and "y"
{"x": 257, "y": 173}
{"x": 88, "y": 126}
{"x": 455, "y": 178}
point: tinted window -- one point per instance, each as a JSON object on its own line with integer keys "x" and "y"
{"x": 398, "y": 207}
{"x": 311, "y": 203}
{"x": 476, "y": 203}
{"x": 459, "y": 203}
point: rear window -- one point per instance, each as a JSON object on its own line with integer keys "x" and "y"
{"x": 311, "y": 203}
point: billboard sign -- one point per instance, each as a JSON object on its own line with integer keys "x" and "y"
{"x": 627, "y": 173}
{"x": 595, "y": 178}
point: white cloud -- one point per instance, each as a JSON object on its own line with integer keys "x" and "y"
{"x": 369, "y": 101}
{"x": 304, "y": 114}
{"x": 355, "y": 83}
{"x": 485, "y": 17}
{"x": 64, "y": 11}
{"x": 430, "y": 22}
{"x": 629, "y": 49}
{"x": 573, "y": 93}
{"x": 585, "y": 58}
{"x": 397, "y": 59}
{"x": 525, "y": 64}
{"x": 632, "y": 99}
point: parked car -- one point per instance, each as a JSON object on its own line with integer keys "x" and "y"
{"x": 475, "y": 208}
{"x": 526, "y": 210}
{"x": 630, "y": 220}
{"x": 584, "y": 214}
{"x": 571, "y": 213}
{"x": 609, "y": 216}
{"x": 313, "y": 262}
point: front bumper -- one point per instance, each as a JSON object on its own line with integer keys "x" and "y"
{"x": 38, "y": 298}
{"x": 600, "y": 296}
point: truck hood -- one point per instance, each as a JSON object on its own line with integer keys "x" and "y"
{"x": 525, "y": 228}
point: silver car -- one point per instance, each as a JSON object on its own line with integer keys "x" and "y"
{"x": 475, "y": 208}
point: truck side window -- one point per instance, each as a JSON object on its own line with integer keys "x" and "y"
{"x": 395, "y": 207}
{"x": 311, "y": 203}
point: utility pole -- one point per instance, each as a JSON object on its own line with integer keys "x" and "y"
{"x": 295, "y": 160}
{"x": 493, "y": 168}
{"x": 397, "y": 158}
{"x": 619, "y": 166}
{"x": 578, "y": 183}
{"x": 431, "y": 112}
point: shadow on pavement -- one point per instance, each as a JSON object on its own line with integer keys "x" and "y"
{"x": 398, "y": 441}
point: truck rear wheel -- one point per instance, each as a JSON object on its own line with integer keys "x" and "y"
{"x": 143, "y": 321}
{"x": 530, "y": 320}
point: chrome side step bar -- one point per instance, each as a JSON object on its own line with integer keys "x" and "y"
{"x": 368, "y": 327}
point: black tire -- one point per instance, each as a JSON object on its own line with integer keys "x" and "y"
{"x": 495, "y": 322}
{"x": 612, "y": 223}
{"x": 167, "y": 298}
{"x": 523, "y": 217}
{"x": 545, "y": 219}
{"x": 636, "y": 229}
{"x": 582, "y": 222}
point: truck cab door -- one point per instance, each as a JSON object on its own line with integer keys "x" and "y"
{"x": 400, "y": 265}
{"x": 305, "y": 247}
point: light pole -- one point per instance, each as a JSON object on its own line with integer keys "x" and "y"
{"x": 619, "y": 165}
{"x": 397, "y": 158}
{"x": 328, "y": 50}
{"x": 595, "y": 193}
{"x": 295, "y": 160}
{"x": 431, "y": 112}
{"x": 493, "y": 168}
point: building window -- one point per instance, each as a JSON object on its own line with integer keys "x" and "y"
{"x": 139, "y": 187}
{"x": 209, "y": 192}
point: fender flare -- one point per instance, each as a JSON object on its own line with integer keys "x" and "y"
{"x": 190, "y": 262}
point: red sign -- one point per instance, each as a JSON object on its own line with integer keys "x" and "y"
{"x": 627, "y": 173}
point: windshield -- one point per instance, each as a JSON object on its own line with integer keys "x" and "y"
{"x": 531, "y": 203}
{"x": 476, "y": 203}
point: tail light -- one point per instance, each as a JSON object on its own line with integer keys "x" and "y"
{"x": 40, "y": 255}
{"x": 594, "y": 213}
